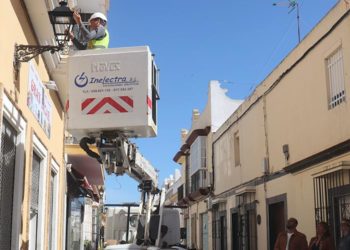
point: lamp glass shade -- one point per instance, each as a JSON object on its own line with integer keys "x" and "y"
{"x": 61, "y": 19}
{"x": 61, "y": 14}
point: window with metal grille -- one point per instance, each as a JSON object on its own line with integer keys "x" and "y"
{"x": 34, "y": 201}
{"x": 322, "y": 187}
{"x": 219, "y": 228}
{"x": 7, "y": 171}
{"x": 246, "y": 219}
{"x": 332, "y": 199}
{"x": 335, "y": 74}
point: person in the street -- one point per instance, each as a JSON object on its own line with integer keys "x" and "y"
{"x": 95, "y": 37}
{"x": 323, "y": 239}
{"x": 344, "y": 243}
{"x": 291, "y": 239}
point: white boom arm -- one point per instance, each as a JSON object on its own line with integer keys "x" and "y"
{"x": 119, "y": 156}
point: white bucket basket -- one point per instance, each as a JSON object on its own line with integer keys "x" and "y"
{"x": 112, "y": 89}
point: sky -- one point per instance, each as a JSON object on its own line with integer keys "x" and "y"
{"x": 238, "y": 42}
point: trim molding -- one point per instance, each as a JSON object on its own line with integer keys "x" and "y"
{"x": 322, "y": 156}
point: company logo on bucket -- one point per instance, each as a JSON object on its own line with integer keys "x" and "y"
{"x": 81, "y": 80}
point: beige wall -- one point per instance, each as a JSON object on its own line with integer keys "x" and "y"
{"x": 294, "y": 112}
{"x": 14, "y": 20}
{"x": 252, "y": 150}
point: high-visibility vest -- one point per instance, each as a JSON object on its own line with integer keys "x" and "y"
{"x": 100, "y": 43}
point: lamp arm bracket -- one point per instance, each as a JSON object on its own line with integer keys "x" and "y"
{"x": 24, "y": 53}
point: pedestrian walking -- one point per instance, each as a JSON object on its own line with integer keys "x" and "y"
{"x": 291, "y": 239}
{"x": 323, "y": 239}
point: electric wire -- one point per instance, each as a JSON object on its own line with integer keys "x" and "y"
{"x": 277, "y": 47}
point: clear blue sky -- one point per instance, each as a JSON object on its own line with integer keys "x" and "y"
{"x": 196, "y": 41}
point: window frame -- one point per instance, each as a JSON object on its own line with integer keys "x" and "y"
{"x": 41, "y": 151}
{"x": 12, "y": 115}
{"x": 335, "y": 103}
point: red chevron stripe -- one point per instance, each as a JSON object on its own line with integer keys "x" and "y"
{"x": 128, "y": 100}
{"x": 149, "y": 102}
{"x": 105, "y": 101}
{"x": 86, "y": 103}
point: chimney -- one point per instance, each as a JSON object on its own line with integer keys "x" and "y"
{"x": 195, "y": 115}
{"x": 184, "y": 133}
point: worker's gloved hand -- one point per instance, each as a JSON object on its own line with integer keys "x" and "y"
{"x": 77, "y": 17}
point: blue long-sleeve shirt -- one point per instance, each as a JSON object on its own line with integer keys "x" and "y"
{"x": 82, "y": 35}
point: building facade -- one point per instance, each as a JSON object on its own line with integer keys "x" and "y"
{"x": 34, "y": 193}
{"x": 195, "y": 157}
{"x": 285, "y": 151}
{"x": 32, "y": 166}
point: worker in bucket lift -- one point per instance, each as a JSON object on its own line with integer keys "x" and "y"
{"x": 96, "y": 37}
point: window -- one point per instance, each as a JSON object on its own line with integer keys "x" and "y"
{"x": 34, "y": 201}
{"x": 198, "y": 154}
{"x": 7, "y": 173}
{"x": 236, "y": 149}
{"x": 12, "y": 141}
{"x": 38, "y": 195}
{"x": 53, "y": 206}
{"x": 199, "y": 180}
{"x": 219, "y": 227}
{"x": 332, "y": 198}
{"x": 335, "y": 75}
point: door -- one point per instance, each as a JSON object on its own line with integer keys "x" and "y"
{"x": 7, "y": 173}
{"x": 251, "y": 229}
{"x": 222, "y": 235}
{"x": 235, "y": 231}
{"x": 340, "y": 208}
{"x": 204, "y": 220}
{"x": 277, "y": 222}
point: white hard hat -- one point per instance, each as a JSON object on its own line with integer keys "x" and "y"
{"x": 98, "y": 15}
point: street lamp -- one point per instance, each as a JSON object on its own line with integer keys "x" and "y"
{"x": 293, "y": 4}
{"x": 61, "y": 19}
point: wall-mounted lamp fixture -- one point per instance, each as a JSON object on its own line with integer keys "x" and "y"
{"x": 285, "y": 148}
{"x": 62, "y": 20}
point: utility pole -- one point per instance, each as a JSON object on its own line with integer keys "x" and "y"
{"x": 292, "y": 4}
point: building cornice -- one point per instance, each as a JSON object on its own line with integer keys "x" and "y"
{"x": 322, "y": 156}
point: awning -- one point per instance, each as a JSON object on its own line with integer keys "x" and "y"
{"x": 88, "y": 174}
{"x": 88, "y": 167}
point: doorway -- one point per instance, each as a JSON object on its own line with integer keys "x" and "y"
{"x": 204, "y": 234}
{"x": 235, "y": 230}
{"x": 277, "y": 217}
